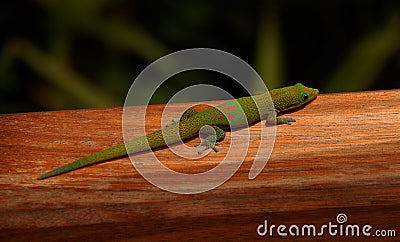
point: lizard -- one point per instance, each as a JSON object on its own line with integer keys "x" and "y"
{"x": 217, "y": 119}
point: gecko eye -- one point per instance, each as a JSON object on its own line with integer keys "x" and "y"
{"x": 305, "y": 96}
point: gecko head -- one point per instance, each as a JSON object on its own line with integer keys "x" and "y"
{"x": 303, "y": 95}
{"x": 295, "y": 96}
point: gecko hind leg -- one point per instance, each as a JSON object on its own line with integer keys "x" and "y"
{"x": 212, "y": 135}
{"x": 187, "y": 114}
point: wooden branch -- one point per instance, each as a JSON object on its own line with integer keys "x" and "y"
{"x": 341, "y": 156}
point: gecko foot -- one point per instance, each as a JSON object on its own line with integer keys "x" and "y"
{"x": 208, "y": 143}
{"x": 285, "y": 120}
{"x": 173, "y": 121}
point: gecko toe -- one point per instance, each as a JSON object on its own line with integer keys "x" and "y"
{"x": 173, "y": 121}
{"x": 208, "y": 144}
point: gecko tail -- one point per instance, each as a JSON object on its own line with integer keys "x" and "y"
{"x": 139, "y": 144}
{"x": 104, "y": 155}
{"x": 62, "y": 169}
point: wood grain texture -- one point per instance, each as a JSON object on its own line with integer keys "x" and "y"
{"x": 341, "y": 156}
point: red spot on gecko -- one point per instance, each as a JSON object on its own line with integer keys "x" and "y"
{"x": 296, "y": 90}
{"x": 221, "y": 117}
{"x": 230, "y": 108}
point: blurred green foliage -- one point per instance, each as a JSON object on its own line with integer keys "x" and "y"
{"x": 60, "y": 54}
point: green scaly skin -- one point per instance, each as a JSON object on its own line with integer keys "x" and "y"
{"x": 228, "y": 115}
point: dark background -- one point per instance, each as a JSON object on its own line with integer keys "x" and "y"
{"x": 81, "y": 54}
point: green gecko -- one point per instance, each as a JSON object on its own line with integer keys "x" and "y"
{"x": 217, "y": 119}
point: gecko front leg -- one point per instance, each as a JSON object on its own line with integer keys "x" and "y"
{"x": 279, "y": 120}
